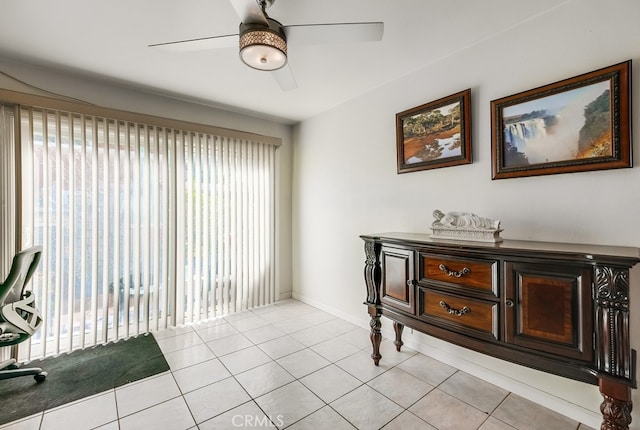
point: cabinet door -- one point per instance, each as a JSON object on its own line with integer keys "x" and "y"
{"x": 398, "y": 278}
{"x": 549, "y": 308}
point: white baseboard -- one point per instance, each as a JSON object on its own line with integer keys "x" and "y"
{"x": 285, "y": 295}
{"x": 361, "y": 322}
{"x": 548, "y": 400}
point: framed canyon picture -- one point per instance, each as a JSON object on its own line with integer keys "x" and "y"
{"x": 575, "y": 125}
{"x": 435, "y": 134}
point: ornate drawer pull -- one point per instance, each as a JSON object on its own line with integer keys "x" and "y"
{"x": 452, "y": 311}
{"x": 445, "y": 269}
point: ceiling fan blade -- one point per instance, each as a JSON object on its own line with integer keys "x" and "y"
{"x": 334, "y": 33}
{"x": 249, "y": 12}
{"x": 200, "y": 44}
{"x": 284, "y": 78}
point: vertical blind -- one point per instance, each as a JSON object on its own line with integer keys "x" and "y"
{"x": 8, "y": 191}
{"x": 143, "y": 227}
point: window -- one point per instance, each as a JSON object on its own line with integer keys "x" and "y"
{"x": 144, "y": 226}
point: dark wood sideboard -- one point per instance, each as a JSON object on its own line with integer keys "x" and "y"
{"x": 556, "y": 307}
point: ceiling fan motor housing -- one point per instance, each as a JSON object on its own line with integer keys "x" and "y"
{"x": 263, "y": 47}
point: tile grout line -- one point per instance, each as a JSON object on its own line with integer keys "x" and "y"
{"x": 198, "y": 332}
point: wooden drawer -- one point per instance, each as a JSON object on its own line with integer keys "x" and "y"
{"x": 473, "y": 316}
{"x": 479, "y": 276}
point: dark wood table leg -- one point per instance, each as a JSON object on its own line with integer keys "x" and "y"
{"x": 397, "y": 327}
{"x": 616, "y": 406}
{"x": 376, "y": 333}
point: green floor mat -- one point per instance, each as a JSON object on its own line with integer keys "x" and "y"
{"x": 80, "y": 374}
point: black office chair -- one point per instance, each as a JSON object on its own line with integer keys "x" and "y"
{"x": 19, "y": 318}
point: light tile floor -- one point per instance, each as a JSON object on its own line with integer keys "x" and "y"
{"x": 290, "y": 365}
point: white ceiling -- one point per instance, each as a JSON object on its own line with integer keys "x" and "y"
{"x": 109, "y": 39}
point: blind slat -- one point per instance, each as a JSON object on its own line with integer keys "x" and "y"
{"x": 83, "y": 232}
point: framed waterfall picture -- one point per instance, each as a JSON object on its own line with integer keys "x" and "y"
{"x": 435, "y": 134}
{"x": 576, "y": 125}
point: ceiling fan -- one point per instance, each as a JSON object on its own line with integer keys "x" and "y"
{"x": 263, "y": 40}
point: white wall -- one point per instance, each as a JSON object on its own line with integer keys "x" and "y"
{"x": 345, "y": 181}
{"x": 30, "y": 79}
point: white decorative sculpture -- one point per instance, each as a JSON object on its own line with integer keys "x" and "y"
{"x": 465, "y": 226}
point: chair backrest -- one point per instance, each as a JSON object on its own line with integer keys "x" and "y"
{"x": 24, "y": 265}
{"x": 19, "y": 318}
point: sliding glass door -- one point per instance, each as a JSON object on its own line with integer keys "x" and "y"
{"x": 143, "y": 226}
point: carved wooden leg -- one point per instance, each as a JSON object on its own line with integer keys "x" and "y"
{"x": 376, "y": 334}
{"x": 397, "y": 327}
{"x": 616, "y": 406}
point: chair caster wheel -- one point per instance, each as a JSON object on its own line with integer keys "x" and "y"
{"x": 40, "y": 377}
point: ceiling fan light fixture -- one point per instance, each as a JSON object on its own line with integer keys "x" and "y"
{"x": 262, "y": 47}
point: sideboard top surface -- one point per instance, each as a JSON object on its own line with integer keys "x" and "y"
{"x": 574, "y": 251}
